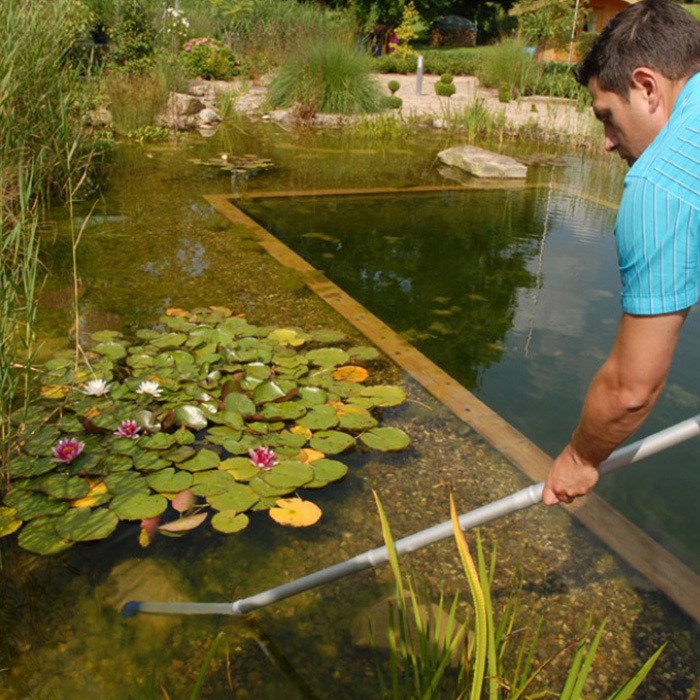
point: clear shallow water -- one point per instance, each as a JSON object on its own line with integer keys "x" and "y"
{"x": 515, "y": 294}
{"x": 163, "y": 246}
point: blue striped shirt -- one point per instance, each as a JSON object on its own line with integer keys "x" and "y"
{"x": 657, "y": 232}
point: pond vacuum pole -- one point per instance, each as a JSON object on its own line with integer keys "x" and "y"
{"x": 509, "y": 504}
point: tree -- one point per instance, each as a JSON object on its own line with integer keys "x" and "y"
{"x": 546, "y": 23}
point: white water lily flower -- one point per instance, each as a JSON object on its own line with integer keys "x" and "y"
{"x": 95, "y": 387}
{"x": 152, "y": 388}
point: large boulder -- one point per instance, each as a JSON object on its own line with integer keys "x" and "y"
{"x": 482, "y": 163}
{"x": 181, "y": 111}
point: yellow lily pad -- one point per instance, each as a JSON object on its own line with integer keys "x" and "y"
{"x": 54, "y": 391}
{"x": 295, "y": 512}
{"x": 350, "y": 373}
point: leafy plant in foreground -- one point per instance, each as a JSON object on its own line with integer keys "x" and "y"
{"x": 493, "y": 663}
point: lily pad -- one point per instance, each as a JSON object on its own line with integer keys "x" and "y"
{"x": 290, "y": 475}
{"x": 236, "y": 401}
{"x": 326, "y": 471}
{"x": 327, "y": 335}
{"x": 150, "y": 461}
{"x": 40, "y": 537}
{"x": 112, "y": 349}
{"x": 211, "y": 483}
{"x": 384, "y": 395}
{"x": 191, "y": 417}
{"x": 319, "y": 418}
{"x": 9, "y": 522}
{"x": 363, "y": 353}
{"x": 350, "y": 373}
{"x": 229, "y": 521}
{"x": 136, "y": 505}
{"x": 189, "y": 522}
{"x": 295, "y": 512}
{"x": 262, "y": 488}
{"x": 204, "y": 459}
{"x": 285, "y": 410}
{"x": 386, "y": 439}
{"x": 179, "y": 454}
{"x": 124, "y": 482}
{"x": 169, "y": 481}
{"x": 169, "y": 340}
{"x": 31, "y": 504}
{"x": 327, "y": 357}
{"x": 30, "y": 466}
{"x": 355, "y": 421}
{"x": 159, "y": 441}
{"x": 267, "y": 391}
{"x": 63, "y": 486}
{"x": 332, "y": 442}
{"x": 238, "y": 497}
{"x": 84, "y": 524}
{"x": 240, "y": 468}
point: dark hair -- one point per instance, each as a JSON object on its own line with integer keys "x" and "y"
{"x": 658, "y": 34}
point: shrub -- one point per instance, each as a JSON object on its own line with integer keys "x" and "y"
{"x": 394, "y": 86}
{"x": 446, "y": 78}
{"x": 392, "y": 101}
{"x": 133, "y": 36}
{"x": 393, "y": 63}
{"x": 208, "y": 58}
{"x": 328, "y": 76}
{"x": 505, "y": 92}
{"x": 445, "y": 89}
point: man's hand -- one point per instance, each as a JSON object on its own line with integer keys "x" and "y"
{"x": 568, "y": 477}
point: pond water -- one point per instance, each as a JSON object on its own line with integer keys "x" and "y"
{"x": 515, "y": 294}
{"x": 427, "y": 265}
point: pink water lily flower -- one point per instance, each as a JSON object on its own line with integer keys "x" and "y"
{"x": 128, "y": 429}
{"x": 67, "y": 450}
{"x": 263, "y": 457}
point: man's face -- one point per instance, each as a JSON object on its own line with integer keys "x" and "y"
{"x": 629, "y": 125}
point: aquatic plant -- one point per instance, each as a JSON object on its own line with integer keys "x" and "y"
{"x": 212, "y": 413}
{"x": 488, "y": 658}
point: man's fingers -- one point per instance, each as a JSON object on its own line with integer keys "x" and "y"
{"x": 549, "y": 498}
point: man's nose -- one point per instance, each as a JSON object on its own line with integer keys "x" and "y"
{"x": 611, "y": 142}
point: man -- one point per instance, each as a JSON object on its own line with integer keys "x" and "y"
{"x": 643, "y": 75}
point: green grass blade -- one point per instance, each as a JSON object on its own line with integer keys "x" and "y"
{"x": 197, "y": 690}
{"x": 626, "y": 691}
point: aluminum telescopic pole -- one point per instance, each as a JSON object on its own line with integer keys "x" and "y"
{"x": 509, "y": 504}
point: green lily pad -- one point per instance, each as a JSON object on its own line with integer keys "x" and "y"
{"x": 240, "y": 468}
{"x": 169, "y": 481}
{"x": 363, "y": 353}
{"x": 191, "y": 417}
{"x": 290, "y": 475}
{"x": 356, "y": 421}
{"x": 40, "y": 537}
{"x": 286, "y": 410}
{"x": 236, "y": 401}
{"x": 328, "y": 357}
{"x": 287, "y": 439}
{"x": 169, "y": 340}
{"x": 136, "y": 505}
{"x": 158, "y": 441}
{"x": 63, "y": 486}
{"x": 204, "y": 459}
{"x": 267, "y": 391}
{"x": 265, "y": 503}
{"x": 326, "y": 471}
{"x": 115, "y": 351}
{"x": 211, "y": 483}
{"x": 262, "y": 488}
{"x": 183, "y": 436}
{"x": 386, "y": 439}
{"x": 319, "y": 418}
{"x": 242, "y": 446}
{"x": 331, "y": 442}
{"x": 220, "y": 433}
{"x": 258, "y": 370}
{"x": 9, "y": 522}
{"x": 238, "y": 497}
{"x": 231, "y": 419}
{"x": 179, "y": 454}
{"x": 229, "y": 521}
{"x": 124, "y": 482}
{"x": 84, "y": 524}
{"x": 150, "y": 461}
{"x": 30, "y": 466}
{"x": 32, "y": 504}
{"x": 384, "y": 395}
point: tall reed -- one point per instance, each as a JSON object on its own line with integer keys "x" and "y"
{"x": 46, "y": 149}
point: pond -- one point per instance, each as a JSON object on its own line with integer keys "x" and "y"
{"x": 153, "y": 243}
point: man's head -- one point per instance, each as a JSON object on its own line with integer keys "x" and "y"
{"x": 635, "y": 70}
{"x": 657, "y": 34}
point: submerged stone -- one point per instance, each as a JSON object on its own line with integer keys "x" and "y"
{"x": 482, "y": 163}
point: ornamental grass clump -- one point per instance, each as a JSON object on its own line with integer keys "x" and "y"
{"x": 326, "y": 76}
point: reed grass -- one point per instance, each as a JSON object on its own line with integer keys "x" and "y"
{"x": 498, "y": 659}
{"x": 46, "y": 150}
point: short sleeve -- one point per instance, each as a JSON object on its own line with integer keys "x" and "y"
{"x": 656, "y": 235}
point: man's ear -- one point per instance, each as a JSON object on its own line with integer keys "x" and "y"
{"x": 647, "y": 80}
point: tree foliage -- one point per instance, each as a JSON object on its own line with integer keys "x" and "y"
{"x": 550, "y": 23}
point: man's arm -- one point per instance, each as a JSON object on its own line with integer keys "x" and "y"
{"x": 619, "y": 399}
